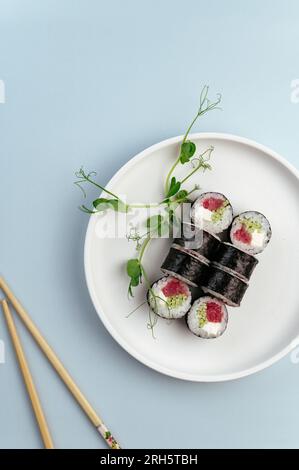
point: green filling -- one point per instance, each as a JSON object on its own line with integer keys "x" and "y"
{"x": 202, "y": 318}
{"x": 251, "y": 225}
{"x": 218, "y": 213}
{"x": 176, "y": 300}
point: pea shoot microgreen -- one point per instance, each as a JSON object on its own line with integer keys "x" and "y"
{"x": 174, "y": 195}
{"x": 134, "y": 272}
{"x": 99, "y": 204}
{"x": 174, "y": 187}
{"x": 188, "y": 148}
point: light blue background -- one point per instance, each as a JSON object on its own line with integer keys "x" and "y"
{"x": 93, "y": 83}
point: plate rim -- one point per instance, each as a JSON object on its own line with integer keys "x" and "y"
{"x": 96, "y": 303}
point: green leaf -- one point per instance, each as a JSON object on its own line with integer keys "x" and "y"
{"x": 135, "y": 281}
{"x": 182, "y": 195}
{"x": 102, "y": 204}
{"x": 133, "y": 269}
{"x": 188, "y": 149}
{"x": 130, "y": 292}
{"x": 174, "y": 187}
{"x": 100, "y": 200}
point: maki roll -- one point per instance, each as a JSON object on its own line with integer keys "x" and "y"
{"x": 197, "y": 241}
{"x": 207, "y": 318}
{"x": 185, "y": 267}
{"x": 226, "y": 287}
{"x": 174, "y": 262}
{"x": 234, "y": 261}
{"x": 169, "y": 298}
{"x": 251, "y": 232}
{"x": 194, "y": 271}
{"x": 212, "y": 212}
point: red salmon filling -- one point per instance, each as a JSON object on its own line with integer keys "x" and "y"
{"x": 242, "y": 235}
{"x": 174, "y": 287}
{"x": 212, "y": 203}
{"x": 214, "y": 312}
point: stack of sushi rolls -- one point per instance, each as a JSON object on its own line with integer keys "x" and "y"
{"x": 224, "y": 286}
{"x": 234, "y": 262}
{"x": 229, "y": 274}
{"x": 185, "y": 266}
{"x": 190, "y": 255}
{"x": 198, "y": 258}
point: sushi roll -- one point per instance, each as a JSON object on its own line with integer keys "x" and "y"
{"x": 251, "y": 232}
{"x": 234, "y": 261}
{"x": 185, "y": 267}
{"x": 212, "y": 212}
{"x": 197, "y": 241}
{"x": 207, "y": 318}
{"x": 226, "y": 287}
{"x": 169, "y": 298}
{"x": 194, "y": 271}
{"x": 173, "y": 262}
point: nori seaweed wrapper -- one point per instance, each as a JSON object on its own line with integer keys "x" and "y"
{"x": 174, "y": 260}
{"x": 236, "y": 260}
{"x": 197, "y": 240}
{"x": 194, "y": 270}
{"x": 230, "y": 288}
{"x": 185, "y": 267}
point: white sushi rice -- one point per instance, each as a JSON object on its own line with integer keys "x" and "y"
{"x": 159, "y": 303}
{"x": 203, "y": 218}
{"x": 209, "y": 329}
{"x": 259, "y": 238}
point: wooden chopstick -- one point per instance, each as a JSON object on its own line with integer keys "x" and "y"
{"x": 36, "y": 405}
{"x": 58, "y": 366}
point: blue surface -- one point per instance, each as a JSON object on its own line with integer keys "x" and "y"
{"x": 94, "y": 83}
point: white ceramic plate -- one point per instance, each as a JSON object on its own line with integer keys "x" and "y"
{"x": 266, "y": 326}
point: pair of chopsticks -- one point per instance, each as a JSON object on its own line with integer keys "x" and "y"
{"x": 56, "y": 363}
